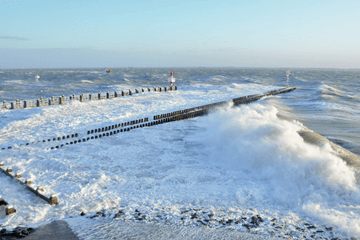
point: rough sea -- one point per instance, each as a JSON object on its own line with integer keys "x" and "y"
{"x": 237, "y": 163}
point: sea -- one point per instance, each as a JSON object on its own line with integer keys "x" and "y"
{"x": 236, "y": 163}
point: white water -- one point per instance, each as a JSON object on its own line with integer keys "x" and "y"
{"x": 244, "y": 160}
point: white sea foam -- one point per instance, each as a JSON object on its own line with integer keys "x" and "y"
{"x": 8, "y": 82}
{"x": 261, "y": 147}
{"x": 86, "y": 81}
{"x": 218, "y": 78}
{"x": 235, "y": 158}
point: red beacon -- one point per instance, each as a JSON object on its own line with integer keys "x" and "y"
{"x": 171, "y": 79}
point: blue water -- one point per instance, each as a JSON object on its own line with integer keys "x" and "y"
{"x": 236, "y": 162}
{"x": 326, "y": 101}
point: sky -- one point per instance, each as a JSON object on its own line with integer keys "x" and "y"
{"x": 187, "y": 33}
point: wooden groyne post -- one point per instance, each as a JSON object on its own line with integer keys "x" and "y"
{"x": 9, "y": 172}
{"x": 82, "y": 98}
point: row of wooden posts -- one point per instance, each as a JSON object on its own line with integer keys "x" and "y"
{"x": 18, "y": 104}
{"x": 170, "y": 117}
{"x": 38, "y": 191}
{"x": 236, "y": 101}
{"x": 140, "y": 123}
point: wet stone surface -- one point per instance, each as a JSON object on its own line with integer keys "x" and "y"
{"x": 270, "y": 226}
{"x": 16, "y": 233}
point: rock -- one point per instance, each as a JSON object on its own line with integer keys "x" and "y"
{"x": 14, "y": 233}
{"x": 202, "y": 222}
{"x": 194, "y": 215}
{"x": 101, "y": 214}
{"x": 249, "y": 226}
{"x": 288, "y": 235}
{"x": 25, "y": 232}
{"x": 3, "y": 231}
{"x": 20, "y": 235}
{"x": 256, "y": 220}
{"x": 229, "y": 222}
{"x": 143, "y": 217}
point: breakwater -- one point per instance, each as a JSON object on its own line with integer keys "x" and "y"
{"x": 158, "y": 119}
{"x": 121, "y": 128}
{"x": 59, "y": 100}
{"x": 28, "y": 185}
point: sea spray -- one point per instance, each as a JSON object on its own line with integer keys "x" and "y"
{"x": 251, "y": 141}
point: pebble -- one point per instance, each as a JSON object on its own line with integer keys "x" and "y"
{"x": 249, "y": 221}
{"x": 17, "y": 233}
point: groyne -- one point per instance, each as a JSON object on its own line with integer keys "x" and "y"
{"x": 9, "y": 209}
{"x": 120, "y": 128}
{"x": 59, "y": 100}
{"x": 158, "y": 119}
{"x": 144, "y": 122}
{"x": 28, "y": 184}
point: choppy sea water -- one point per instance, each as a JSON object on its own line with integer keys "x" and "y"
{"x": 240, "y": 161}
{"x": 326, "y": 100}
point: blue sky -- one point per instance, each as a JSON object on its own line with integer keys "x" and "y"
{"x": 157, "y": 33}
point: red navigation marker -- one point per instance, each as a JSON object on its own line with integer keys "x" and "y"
{"x": 171, "y": 79}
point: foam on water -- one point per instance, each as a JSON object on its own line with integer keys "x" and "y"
{"x": 246, "y": 158}
{"x": 308, "y": 179}
{"x": 86, "y": 81}
{"x": 241, "y": 158}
